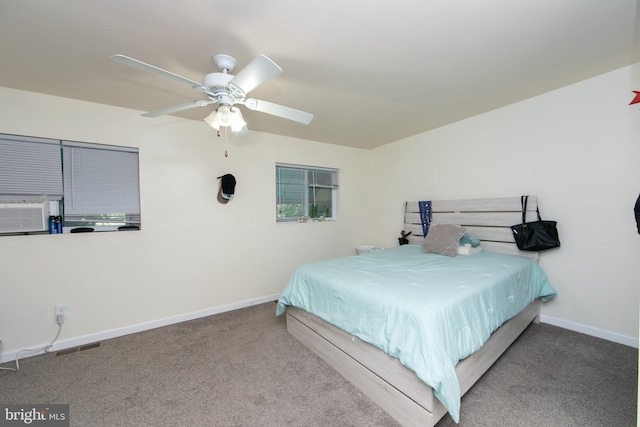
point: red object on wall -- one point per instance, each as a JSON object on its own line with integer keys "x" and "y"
{"x": 636, "y": 100}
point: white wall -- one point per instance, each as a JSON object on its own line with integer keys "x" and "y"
{"x": 578, "y": 150}
{"x": 193, "y": 255}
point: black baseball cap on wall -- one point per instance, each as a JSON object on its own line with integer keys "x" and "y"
{"x": 226, "y": 188}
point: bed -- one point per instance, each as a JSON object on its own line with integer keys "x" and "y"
{"x": 413, "y": 330}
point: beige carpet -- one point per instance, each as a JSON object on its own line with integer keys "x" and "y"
{"x": 243, "y": 369}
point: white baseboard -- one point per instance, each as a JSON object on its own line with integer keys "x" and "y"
{"x": 113, "y": 333}
{"x": 587, "y": 330}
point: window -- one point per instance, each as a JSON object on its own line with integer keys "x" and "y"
{"x": 87, "y": 185}
{"x": 30, "y": 184}
{"x": 30, "y": 168}
{"x": 305, "y": 192}
{"x": 101, "y": 186}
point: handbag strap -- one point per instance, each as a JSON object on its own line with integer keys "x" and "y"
{"x": 523, "y": 202}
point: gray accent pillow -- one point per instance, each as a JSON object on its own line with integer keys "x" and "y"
{"x": 443, "y": 239}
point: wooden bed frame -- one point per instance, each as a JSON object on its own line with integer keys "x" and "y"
{"x": 393, "y": 387}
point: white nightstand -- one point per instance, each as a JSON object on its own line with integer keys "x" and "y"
{"x": 367, "y": 249}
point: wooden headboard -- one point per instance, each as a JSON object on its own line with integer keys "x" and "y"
{"x": 487, "y": 219}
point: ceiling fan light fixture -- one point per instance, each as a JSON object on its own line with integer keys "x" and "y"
{"x": 225, "y": 117}
{"x": 243, "y": 132}
{"x": 237, "y": 121}
{"x": 211, "y": 120}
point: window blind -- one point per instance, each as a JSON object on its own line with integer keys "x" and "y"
{"x": 30, "y": 167}
{"x": 100, "y": 180}
{"x": 322, "y": 178}
{"x": 291, "y": 186}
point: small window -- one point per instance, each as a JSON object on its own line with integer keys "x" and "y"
{"x": 305, "y": 192}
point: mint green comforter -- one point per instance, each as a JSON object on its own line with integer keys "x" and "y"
{"x": 427, "y": 310}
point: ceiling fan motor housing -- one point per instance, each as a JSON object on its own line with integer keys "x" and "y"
{"x": 217, "y": 82}
{"x": 219, "y": 88}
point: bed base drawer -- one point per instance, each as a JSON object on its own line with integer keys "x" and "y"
{"x": 384, "y": 379}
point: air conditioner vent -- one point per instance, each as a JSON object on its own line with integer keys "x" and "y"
{"x": 23, "y": 217}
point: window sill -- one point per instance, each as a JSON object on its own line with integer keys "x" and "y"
{"x": 304, "y": 220}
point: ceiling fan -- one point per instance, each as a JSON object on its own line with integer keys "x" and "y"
{"x": 226, "y": 90}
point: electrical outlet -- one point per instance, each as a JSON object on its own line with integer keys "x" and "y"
{"x": 61, "y": 310}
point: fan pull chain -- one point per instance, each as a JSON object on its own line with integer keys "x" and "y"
{"x": 226, "y": 147}
{"x": 226, "y": 152}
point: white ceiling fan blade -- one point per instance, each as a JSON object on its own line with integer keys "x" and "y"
{"x": 279, "y": 110}
{"x": 257, "y": 72}
{"x": 155, "y": 70}
{"x": 176, "y": 108}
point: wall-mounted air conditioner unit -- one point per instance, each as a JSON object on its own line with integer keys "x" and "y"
{"x": 18, "y": 217}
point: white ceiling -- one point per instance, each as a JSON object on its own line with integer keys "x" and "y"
{"x": 371, "y": 72}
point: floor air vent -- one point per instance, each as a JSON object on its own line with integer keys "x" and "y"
{"x": 77, "y": 349}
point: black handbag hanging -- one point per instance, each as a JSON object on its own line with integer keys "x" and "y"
{"x": 536, "y": 235}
